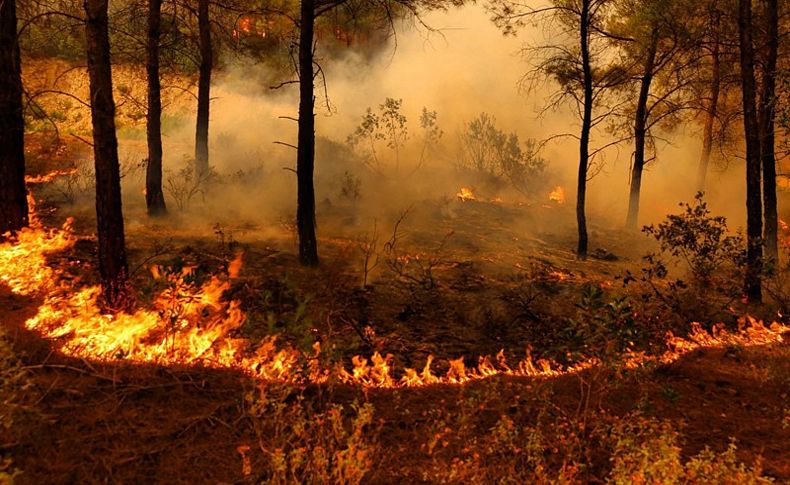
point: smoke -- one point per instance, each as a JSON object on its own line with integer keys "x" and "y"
{"x": 464, "y": 67}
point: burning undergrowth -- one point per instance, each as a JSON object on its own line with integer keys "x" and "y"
{"x": 253, "y": 407}
{"x": 190, "y": 321}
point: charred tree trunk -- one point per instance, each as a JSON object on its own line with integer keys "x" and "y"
{"x": 713, "y": 106}
{"x": 752, "y": 131}
{"x": 640, "y": 132}
{"x": 305, "y": 157}
{"x": 584, "y": 139}
{"x": 767, "y": 117}
{"x": 154, "y": 198}
{"x": 13, "y": 196}
{"x": 112, "y": 251}
{"x": 204, "y": 88}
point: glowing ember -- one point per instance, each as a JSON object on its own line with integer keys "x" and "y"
{"x": 466, "y": 194}
{"x": 557, "y": 195}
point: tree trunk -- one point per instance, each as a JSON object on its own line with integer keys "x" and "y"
{"x": 713, "y": 106}
{"x": 154, "y": 198}
{"x": 305, "y": 157}
{"x": 204, "y": 89}
{"x": 767, "y": 117}
{"x": 112, "y": 251}
{"x": 752, "y": 132}
{"x": 584, "y": 140}
{"x": 13, "y": 196}
{"x": 640, "y": 132}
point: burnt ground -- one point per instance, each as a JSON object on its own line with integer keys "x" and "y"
{"x": 481, "y": 277}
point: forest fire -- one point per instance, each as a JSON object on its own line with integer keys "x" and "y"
{"x": 289, "y": 244}
{"x": 557, "y": 195}
{"x": 48, "y": 177}
{"x": 190, "y": 324}
{"x": 466, "y": 194}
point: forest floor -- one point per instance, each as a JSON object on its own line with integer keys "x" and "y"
{"x": 454, "y": 279}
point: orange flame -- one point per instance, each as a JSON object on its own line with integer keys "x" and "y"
{"x": 466, "y": 194}
{"x": 557, "y": 195}
{"x": 48, "y": 177}
{"x": 192, "y": 324}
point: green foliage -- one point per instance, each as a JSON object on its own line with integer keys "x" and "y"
{"x": 603, "y": 327}
{"x": 51, "y": 36}
{"x": 301, "y": 442}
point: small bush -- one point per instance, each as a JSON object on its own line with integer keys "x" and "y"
{"x": 697, "y": 273}
{"x": 184, "y": 185}
{"x": 500, "y": 156}
{"x": 603, "y": 327}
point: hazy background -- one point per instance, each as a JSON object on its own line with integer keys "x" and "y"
{"x": 464, "y": 67}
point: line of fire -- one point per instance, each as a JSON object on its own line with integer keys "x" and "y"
{"x": 394, "y": 241}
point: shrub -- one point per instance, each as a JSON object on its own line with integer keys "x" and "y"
{"x": 490, "y": 151}
{"x": 697, "y": 273}
{"x": 184, "y": 185}
{"x": 700, "y": 240}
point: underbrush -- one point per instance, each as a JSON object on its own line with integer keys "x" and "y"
{"x": 647, "y": 450}
{"x": 304, "y": 440}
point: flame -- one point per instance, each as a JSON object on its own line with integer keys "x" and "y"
{"x": 192, "y": 324}
{"x": 557, "y": 195}
{"x": 466, "y": 194}
{"x": 750, "y": 332}
{"x": 48, "y": 177}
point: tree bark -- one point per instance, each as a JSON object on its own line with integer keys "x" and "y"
{"x": 13, "y": 196}
{"x": 584, "y": 139}
{"x": 767, "y": 138}
{"x": 713, "y": 106}
{"x": 752, "y": 132}
{"x": 109, "y": 216}
{"x": 640, "y": 132}
{"x": 154, "y": 197}
{"x": 204, "y": 88}
{"x": 305, "y": 157}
